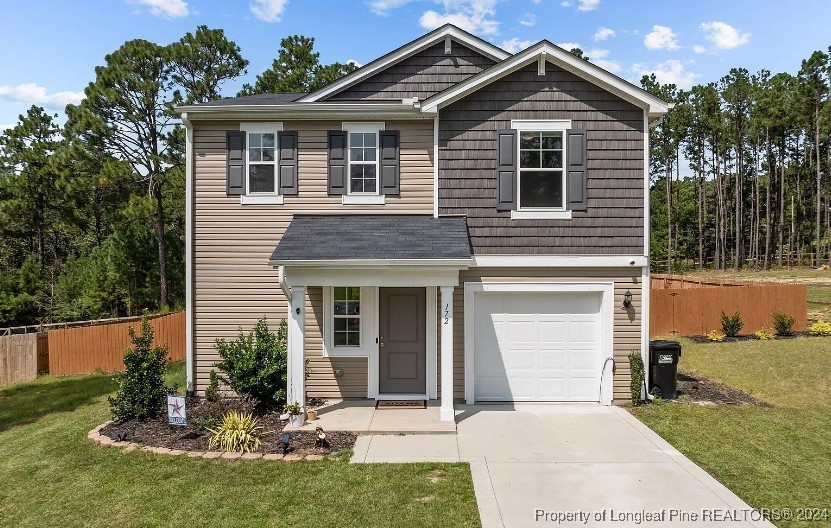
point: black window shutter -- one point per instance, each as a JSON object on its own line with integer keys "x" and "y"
{"x": 576, "y": 170}
{"x": 337, "y": 162}
{"x": 390, "y": 164}
{"x": 506, "y": 170}
{"x": 235, "y": 164}
{"x": 287, "y": 162}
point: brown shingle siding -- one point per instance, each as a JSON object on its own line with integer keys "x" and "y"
{"x": 421, "y": 75}
{"x": 613, "y": 222}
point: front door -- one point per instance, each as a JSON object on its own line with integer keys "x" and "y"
{"x": 402, "y": 341}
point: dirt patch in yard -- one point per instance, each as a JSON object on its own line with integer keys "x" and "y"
{"x": 707, "y": 392}
{"x": 203, "y": 414}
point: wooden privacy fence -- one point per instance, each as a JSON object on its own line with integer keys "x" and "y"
{"x": 684, "y": 306}
{"x": 101, "y": 348}
{"x": 22, "y": 357}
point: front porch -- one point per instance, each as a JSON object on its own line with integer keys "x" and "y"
{"x": 361, "y": 417}
{"x": 387, "y": 285}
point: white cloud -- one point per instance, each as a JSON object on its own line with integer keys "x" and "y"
{"x": 582, "y": 5}
{"x": 31, "y": 93}
{"x": 475, "y": 16}
{"x": 6, "y": 127}
{"x": 514, "y": 45}
{"x": 661, "y": 38}
{"x": 353, "y": 61}
{"x": 165, "y": 8}
{"x": 568, "y": 46}
{"x": 537, "y": 2}
{"x": 268, "y": 10}
{"x": 383, "y": 7}
{"x": 597, "y": 53}
{"x": 528, "y": 19}
{"x": 724, "y": 36}
{"x": 603, "y": 33}
{"x": 699, "y": 49}
{"x": 668, "y": 72}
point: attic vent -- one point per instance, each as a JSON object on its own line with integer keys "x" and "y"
{"x": 447, "y": 47}
{"x": 541, "y": 65}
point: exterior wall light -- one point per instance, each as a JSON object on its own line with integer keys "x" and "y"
{"x": 627, "y": 299}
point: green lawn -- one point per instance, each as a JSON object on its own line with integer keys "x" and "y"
{"x": 772, "y": 457}
{"x": 53, "y": 476}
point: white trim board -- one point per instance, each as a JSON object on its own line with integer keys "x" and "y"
{"x": 607, "y": 289}
{"x": 407, "y": 50}
{"x": 189, "y": 279}
{"x": 559, "y": 57}
{"x": 561, "y": 261}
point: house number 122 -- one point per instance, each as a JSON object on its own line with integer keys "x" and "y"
{"x": 446, "y": 313}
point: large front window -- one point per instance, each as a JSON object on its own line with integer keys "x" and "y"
{"x": 541, "y": 161}
{"x": 363, "y": 162}
{"x": 347, "y": 315}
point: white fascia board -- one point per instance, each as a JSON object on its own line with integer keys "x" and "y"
{"x": 560, "y": 261}
{"x": 380, "y": 64}
{"x": 371, "y": 263}
{"x": 560, "y": 57}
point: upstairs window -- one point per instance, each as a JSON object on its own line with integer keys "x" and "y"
{"x": 363, "y": 162}
{"x": 261, "y": 160}
{"x": 541, "y": 176}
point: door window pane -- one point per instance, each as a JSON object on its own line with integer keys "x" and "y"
{"x": 347, "y": 316}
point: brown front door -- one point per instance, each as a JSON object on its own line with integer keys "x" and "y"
{"x": 402, "y": 341}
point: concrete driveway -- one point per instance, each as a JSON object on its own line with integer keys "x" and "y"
{"x": 569, "y": 465}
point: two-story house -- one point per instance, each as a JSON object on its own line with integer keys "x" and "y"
{"x": 450, "y": 221}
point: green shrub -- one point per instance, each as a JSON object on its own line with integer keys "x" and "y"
{"x": 255, "y": 364}
{"x": 716, "y": 336}
{"x": 141, "y": 390}
{"x": 637, "y": 373}
{"x": 212, "y": 390}
{"x": 731, "y": 324}
{"x": 821, "y": 328}
{"x": 237, "y": 432}
{"x": 783, "y": 323}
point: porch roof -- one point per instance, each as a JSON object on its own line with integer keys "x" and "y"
{"x": 378, "y": 238}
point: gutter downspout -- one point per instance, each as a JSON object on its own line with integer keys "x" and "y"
{"x": 189, "y": 313}
{"x": 281, "y": 278}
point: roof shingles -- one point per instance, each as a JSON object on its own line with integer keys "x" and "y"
{"x": 373, "y": 237}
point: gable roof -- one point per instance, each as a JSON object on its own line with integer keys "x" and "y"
{"x": 545, "y": 50}
{"x": 407, "y": 50}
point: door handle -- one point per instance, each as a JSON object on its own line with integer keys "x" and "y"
{"x": 382, "y": 341}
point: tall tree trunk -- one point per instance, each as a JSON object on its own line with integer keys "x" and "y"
{"x": 698, "y": 180}
{"x": 668, "y": 178}
{"x": 781, "y": 226}
{"x": 737, "y": 242}
{"x": 158, "y": 224}
{"x": 819, "y": 191}
{"x": 770, "y": 173}
{"x": 757, "y": 203}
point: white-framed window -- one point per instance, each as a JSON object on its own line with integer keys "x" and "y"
{"x": 541, "y": 165}
{"x": 349, "y": 320}
{"x": 346, "y": 316}
{"x": 261, "y": 151}
{"x": 363, "y": 170}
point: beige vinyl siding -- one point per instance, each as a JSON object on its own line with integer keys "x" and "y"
{"x": 233, "y": 284}
{"x": 627, "y": 330}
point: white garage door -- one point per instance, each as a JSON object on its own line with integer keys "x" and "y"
{"x": 537, "y": 346}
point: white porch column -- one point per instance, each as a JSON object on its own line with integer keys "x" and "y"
{"x": 446, "y": 323}
{"x": 296, "y": 358}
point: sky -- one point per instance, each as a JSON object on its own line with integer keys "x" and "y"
{"x": 51, "y": 47}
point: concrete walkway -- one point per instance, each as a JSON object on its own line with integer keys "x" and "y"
{"x": 598, "y": 464}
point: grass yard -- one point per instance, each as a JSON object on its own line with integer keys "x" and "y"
{"x": 772, "y": 457}
{"x": 53, "y": 476}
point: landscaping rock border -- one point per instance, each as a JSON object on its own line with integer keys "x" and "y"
{"x": 96, "y": 437}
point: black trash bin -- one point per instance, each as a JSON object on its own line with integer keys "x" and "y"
{"x": 663, "y": 368}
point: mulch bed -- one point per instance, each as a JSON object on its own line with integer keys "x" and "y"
{"x": 707, "y": 392}
{"x": 749, "y": 337}
{"x": 194, "y": 436}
